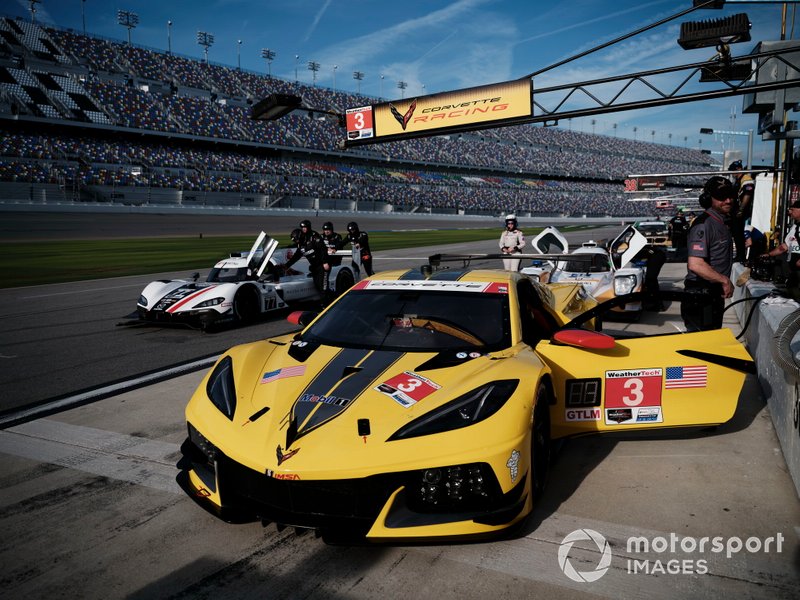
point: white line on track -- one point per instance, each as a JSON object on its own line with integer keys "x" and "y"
{"x": 108, "y": 454}
{"x": 117, "y": 388}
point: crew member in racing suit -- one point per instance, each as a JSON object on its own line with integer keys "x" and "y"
{"x": 309, "y": 245}
{"x": 360, "y": 241}
{"x": 333, "y": 242}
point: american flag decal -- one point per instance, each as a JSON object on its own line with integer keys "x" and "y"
{"x": 686, "y": 377}
{"x": 283, "y": 373}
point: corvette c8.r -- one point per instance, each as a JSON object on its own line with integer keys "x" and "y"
{"x": 422, "y": 406}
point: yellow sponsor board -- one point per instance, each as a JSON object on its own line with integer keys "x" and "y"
{"x": 459, "y": 109}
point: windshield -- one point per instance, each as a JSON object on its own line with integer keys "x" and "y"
{"x": 411, "y": 321}
{"x": 226, "y": 275}
{"x": 653, "y": 229}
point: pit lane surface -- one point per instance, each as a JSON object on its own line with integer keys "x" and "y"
{"x": 90, "y": 509}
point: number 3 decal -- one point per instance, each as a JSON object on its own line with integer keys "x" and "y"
{"x": 410, "y": 386}
{"x": 634, "y": 386}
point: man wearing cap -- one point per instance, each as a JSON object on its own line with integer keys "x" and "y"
{"x": 710, "y": 258}
{"x": 791, "y": 243}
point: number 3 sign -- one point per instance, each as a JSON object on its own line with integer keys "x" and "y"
{"x": 633, "y": 388}
{"x": 408, "y": 388}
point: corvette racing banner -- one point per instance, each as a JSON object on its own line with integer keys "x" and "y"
{"x": 459, "y": 110}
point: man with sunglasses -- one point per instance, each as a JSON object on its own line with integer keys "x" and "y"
{"x": 710, "y": 258}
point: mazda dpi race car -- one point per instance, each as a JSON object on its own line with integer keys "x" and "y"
{"x": 604, "y": 273}
{"x": 422, "y": 405}
{"x": 240, "y": 287}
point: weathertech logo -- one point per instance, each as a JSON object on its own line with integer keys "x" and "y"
{"x": 403, "y": 119}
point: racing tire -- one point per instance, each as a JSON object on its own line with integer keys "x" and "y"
{"x": 541, "y": 446}
{"x": 344, "y": 281}
{"x": 245, "y": 306}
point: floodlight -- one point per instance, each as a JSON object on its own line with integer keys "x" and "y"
{"x": 711, "y": 33}
{"x": 275, "y": 106}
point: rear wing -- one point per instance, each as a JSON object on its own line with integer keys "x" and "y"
{"x": 436, "y": 260}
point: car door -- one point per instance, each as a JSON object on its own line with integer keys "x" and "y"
{"x": 602, "y": 384}
{"x": 626, "y": 246}
{"x": 259, "y": 255}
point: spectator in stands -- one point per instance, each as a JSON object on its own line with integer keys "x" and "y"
{"x": 511, "y": 242}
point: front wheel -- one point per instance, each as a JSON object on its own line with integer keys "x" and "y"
{"x": 540, "y": 442}
{"x": 344, "y": 281}
{"x": 245, "y": 306}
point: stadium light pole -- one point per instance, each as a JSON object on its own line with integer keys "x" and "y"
{"x": 169, "y": 37}
{"x": 33, "y": 4}
{"x": 334, "y": 77}
{"x": 296, "y": 59}
{"x": 313, "y": 66}
{"x": 239, "y": 54}
{"x": 358, "y": 76}
{"x": 127, "y": 19}
{"x": 381, "y": 88}
{"x": 748, "y": 133}
{"x": 83, "y": 15}
{"x": 206, "y": 40}
{"x": 402, "y": 85}
{"x": 268, "y": 55}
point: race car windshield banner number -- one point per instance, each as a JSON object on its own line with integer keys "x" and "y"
{"x": 633, "y": 396}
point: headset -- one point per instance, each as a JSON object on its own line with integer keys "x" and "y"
{"x": 715, "y": 183}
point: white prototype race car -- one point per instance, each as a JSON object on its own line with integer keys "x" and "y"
{"x": 240, "y": 288}
{"x": 603, "y": 273}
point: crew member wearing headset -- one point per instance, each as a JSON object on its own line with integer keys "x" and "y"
{"x": 710, "y": 258}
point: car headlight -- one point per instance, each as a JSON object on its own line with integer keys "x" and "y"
{"x": 142, "y": 300}
{"x": 220, "y": 388}
{"x": 212, "y": 302}
{"x": 624, "y": 284}
{"x": 471, "y": 408}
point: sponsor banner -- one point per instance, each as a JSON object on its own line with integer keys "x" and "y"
{"x": 458, "y": 109}
{"x": 447, "y": 286}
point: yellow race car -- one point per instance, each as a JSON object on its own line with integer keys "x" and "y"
{"x": 422, "y": 405}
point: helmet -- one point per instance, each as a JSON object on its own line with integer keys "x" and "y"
{"x": 295, "y": 235}
{"x": 352, "y": 227}
{"x": 735, "y": 165}
{"x": 511, "y": 219}
{"x": 305, "y": 223}
{"x": 327, "y": 225}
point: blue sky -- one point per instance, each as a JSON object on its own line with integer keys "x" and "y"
{"x": 440, "y": 45}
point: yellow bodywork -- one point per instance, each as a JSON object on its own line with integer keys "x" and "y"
{"x": 341, "y": 448}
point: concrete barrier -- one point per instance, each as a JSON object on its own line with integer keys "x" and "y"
{"x": 781, "y": 387}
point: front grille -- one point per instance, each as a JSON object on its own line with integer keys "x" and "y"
{"x": 305, "y": 503}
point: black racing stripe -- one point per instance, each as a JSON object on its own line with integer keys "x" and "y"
{"x": 349, "y": 389}
{"x": 412, "y": 275}
{"x": 326, "y": 379}
{"x": 448, "y": 275}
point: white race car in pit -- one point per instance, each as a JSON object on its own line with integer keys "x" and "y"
{"x": 241, "y": 287}
{"x": 604, "y": 274}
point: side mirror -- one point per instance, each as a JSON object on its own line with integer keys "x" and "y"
{"x": 584, "y": 338}
{"x": 301, "y": 317}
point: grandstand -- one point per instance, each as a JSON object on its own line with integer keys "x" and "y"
{"x": 87, "y": 119}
